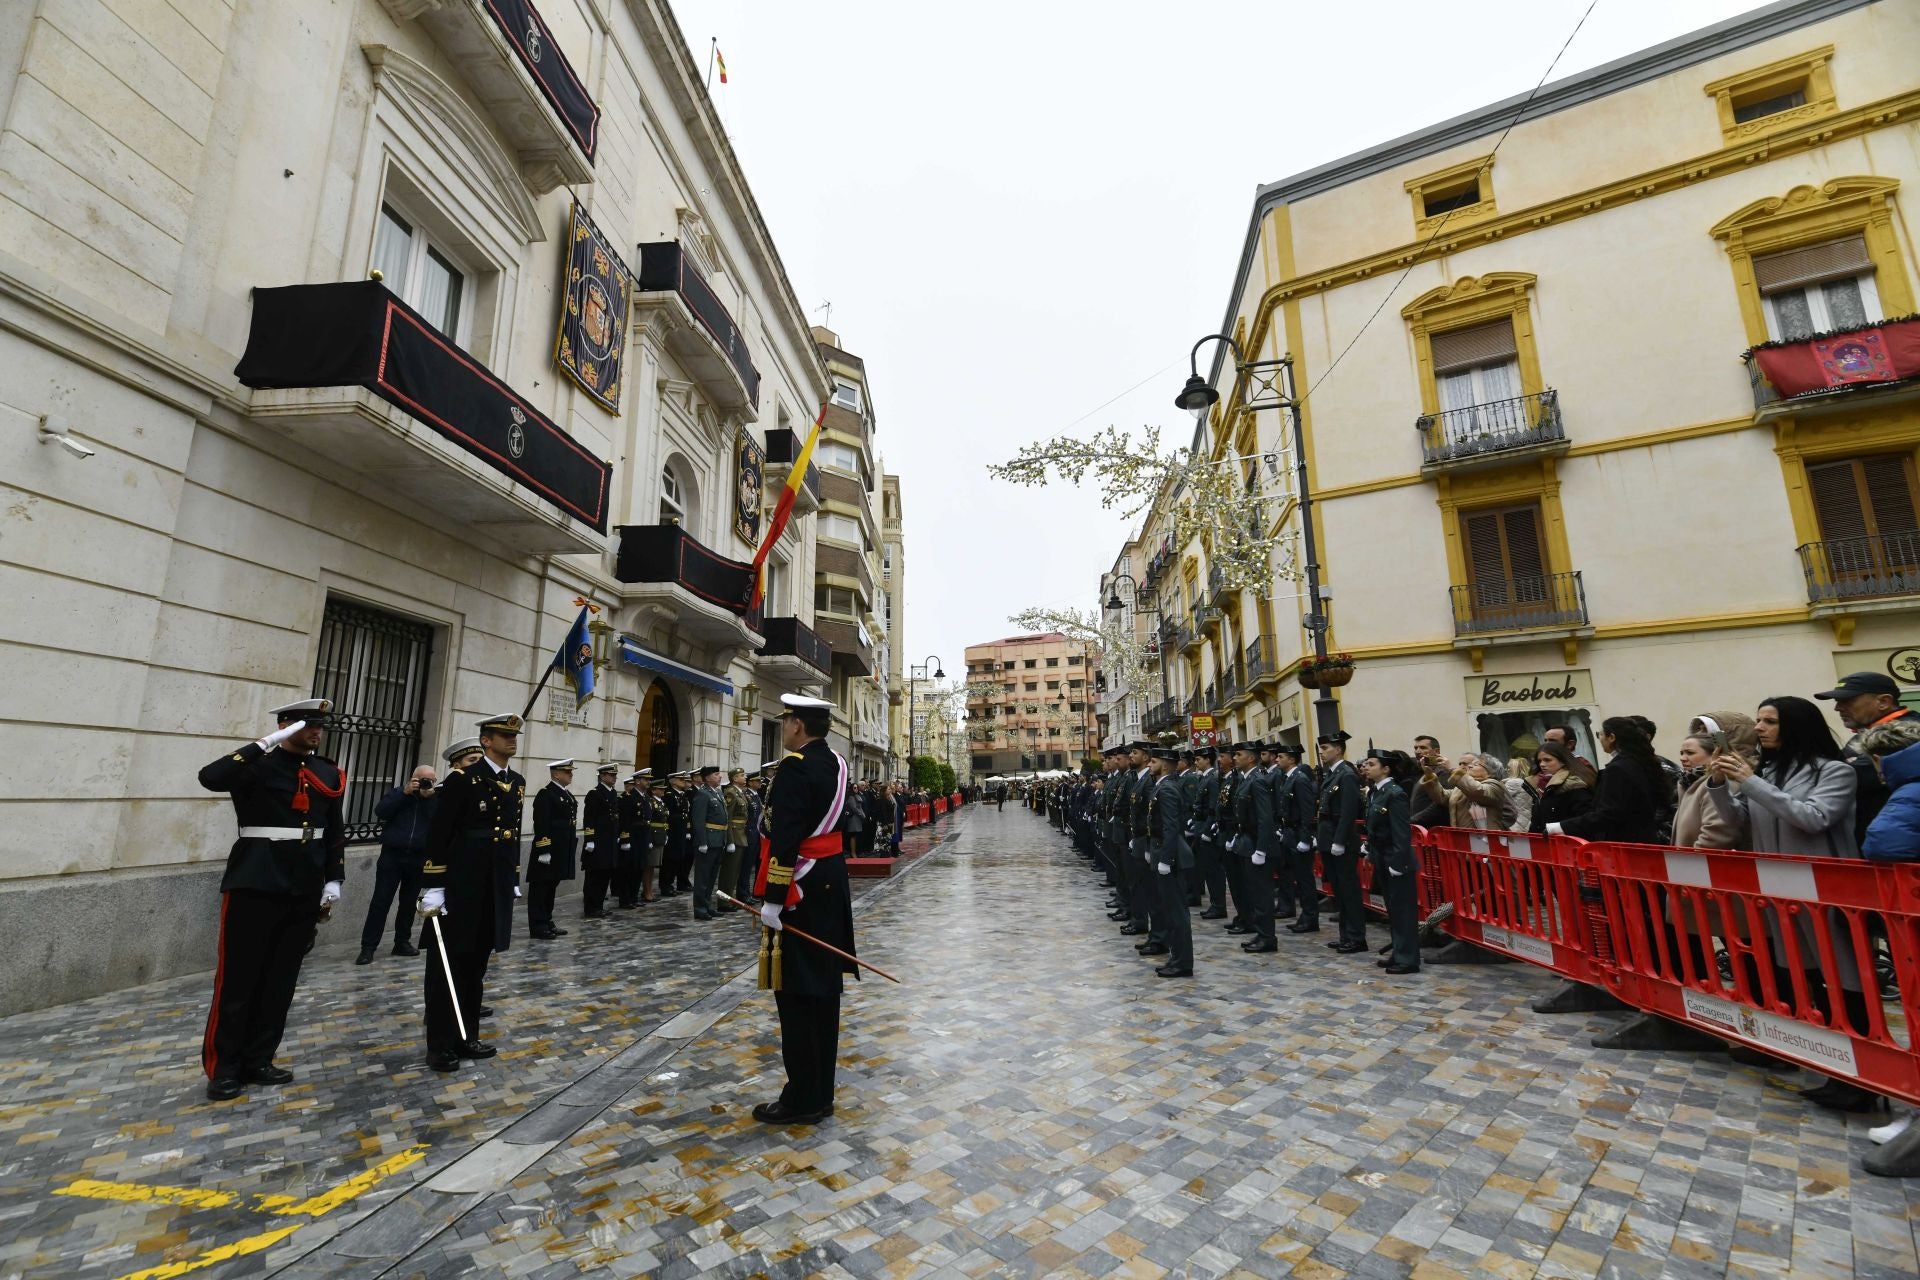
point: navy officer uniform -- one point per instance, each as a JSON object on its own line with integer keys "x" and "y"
{"x": 283, "y": 875}
{"x": 554, "y": 811}
{"x": 1255, "y": 847}
{"x": 1339, "y": 810}
{"x": 475, "y": 829}
{"x": 1171, "y": 858}
{"x": 1294, "y": 796}
{"x": 600, "y": 841}
{"x": 803, "y": 882}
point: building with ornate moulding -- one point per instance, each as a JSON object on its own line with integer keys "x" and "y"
{"x": 1546, "y": 485}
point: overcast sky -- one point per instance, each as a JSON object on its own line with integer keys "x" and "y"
{"x": 1021, "y": 210}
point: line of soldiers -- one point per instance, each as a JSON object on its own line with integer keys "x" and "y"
{"x": 1244, "y": 837}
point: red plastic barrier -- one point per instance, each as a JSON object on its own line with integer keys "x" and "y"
{"x": 940, "y": 804}
{"x": 1518, "y": 894}
{"x": 1776, "y": 951}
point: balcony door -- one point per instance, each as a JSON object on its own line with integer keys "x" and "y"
{"x": 1477, "y": 373}
{"x": 1869, "y": 534}
{"x": 657, "y": 741}
{"x": 1507, "y": 580}
{"x": 1820, "y": 288}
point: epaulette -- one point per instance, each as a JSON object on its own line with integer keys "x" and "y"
{"x": 453, "y": 773}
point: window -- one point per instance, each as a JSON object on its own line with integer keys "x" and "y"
{"x": 1506, "y": 561}
{"x": 1867, "y": 512}
{"x": 1053, "y": 662}
{"x": 835, "y": 600}
{"x": 420, "y": 272}
{"x": 842, "y": 529}
{"x": 1453, "y": 197}
{"x": 1031, "y": 686}
{"x": 779, "y": 574}
{"x": 886, "y": 562}
{"x": 1477, "y": 365}
{"x": 1075, "y": 684}
{"x": 1780, "y": 94}
{"x": 1053, "y": 731}
{"x": 1076, "y": 706}
{"x": 1758, "y": 107}
{"x": 1053, "y": 684}
{"x": 1007, "y": 688}
{"x": 839, "y": 457}
{"x": 373, "y": 665}
{"x": 1030, "y": 662}
{"x": 672, "y": 507}
{"x": 1074, "y": 661}
{"x": 1818, "y": 288}
{"x": 846, "y": 394}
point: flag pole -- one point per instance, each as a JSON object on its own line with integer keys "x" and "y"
{"x": 545, "y": 676}
{"x": 712, "y": 44}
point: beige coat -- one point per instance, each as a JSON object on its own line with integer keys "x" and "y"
{"x": 1698, "y": 823}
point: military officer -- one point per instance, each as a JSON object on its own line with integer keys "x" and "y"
{"x": 626, "y": 876}
{"x": 736, "y": 795}
{"x": 1279, "y": 871}
{"x": 1226, "y": 829}
{"x": 477, "y": 820}
{"x": 756, "y": 789}
{"x": 283, "y": 875}
{"x": 1188, "y": 775}
{"x": 709, "y": 819}
{"x": 1141, "y": 893}
{"x": 1210, "y": 867}
{"x": 1296, "y": 841}
{"x": 803, "y": 880}
{"x": 1390, "y": 843}
{"x": 1339, "y": 809}
{"x": 1171, "y": 857}
{"x": 554, "y": 809}
{"x": 1255, "y": 848}
{"x": 600, "y": 841}
{"x": 659, "y": 835}
{"x": 677, "y": 865}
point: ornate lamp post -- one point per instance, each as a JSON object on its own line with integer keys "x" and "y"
{"x": 917, "y": 672}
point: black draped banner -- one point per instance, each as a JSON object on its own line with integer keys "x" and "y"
{"x": 530, "y": 37}
{"x": 593, "y": 322}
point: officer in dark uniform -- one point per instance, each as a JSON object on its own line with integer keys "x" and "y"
{"x": 1254, "y": 848}
{"x": 1188, "y": 776}
{"x": 1390, "y": 844}
{"x": 554, "y": 809}
{"x": 1338, "y": 810}
{"x": 803, "y": 880}
{"x": 1226, "y": 829}
{"x": 659, "y": 836}
{"x": 477, "y": 822}
{"x": 633, "y": 851}
{"x": 1279, "y": 870}
{"x": 1294, "y": 812}
{"x": 600, "y": 841}
{"x": 1169, "y": 859}
{"x": 283, "y": 875}
{"x": 677, "y": 865}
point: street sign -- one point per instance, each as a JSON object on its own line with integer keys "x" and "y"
{"x": 1204, "y": 733}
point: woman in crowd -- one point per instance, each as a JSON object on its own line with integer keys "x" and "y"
{"x": 1474, "y": 794}
{"x": 1520, "y": 790}
{"x": 1631, "y": 792}
{"x": 1697, "y": 823}
{"x": 1566, "y": 794}
{"x": 1799, "y": 799}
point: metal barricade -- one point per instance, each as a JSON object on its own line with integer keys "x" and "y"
{"x": 1519, "y": 894}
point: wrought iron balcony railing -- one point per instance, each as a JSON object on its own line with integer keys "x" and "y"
{"x": 1459, "y": 435}
{"x": 1260, "y": 664}
{"x": 1862, "y": 568}
{"x": 1543, "y": 602}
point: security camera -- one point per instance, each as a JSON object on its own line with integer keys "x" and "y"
{"x": 53, "y": 429}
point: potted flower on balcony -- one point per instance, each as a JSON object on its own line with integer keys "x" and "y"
{"x": 1329, "y": 672}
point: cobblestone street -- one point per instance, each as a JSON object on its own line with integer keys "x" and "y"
{"x": 1032, "y": 1101}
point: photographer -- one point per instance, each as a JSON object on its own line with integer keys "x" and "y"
{"x": 406, "y": 814}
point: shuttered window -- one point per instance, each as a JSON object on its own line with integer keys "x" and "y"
{"x": 1490, "y": 343}
{"x": 1812, "y": 263}
{"x": 1503, "y": 546}
{"x": 1864, "y": 497}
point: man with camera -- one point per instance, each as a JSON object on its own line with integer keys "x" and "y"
{"x": 406, "y": 815}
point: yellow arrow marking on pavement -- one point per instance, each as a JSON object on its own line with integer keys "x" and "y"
{"x": 190, "y": 1198}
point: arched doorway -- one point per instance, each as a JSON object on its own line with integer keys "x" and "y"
{"x": 657, "y": 744}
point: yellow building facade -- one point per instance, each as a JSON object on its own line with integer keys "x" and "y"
{"x": 1546, "y": 485}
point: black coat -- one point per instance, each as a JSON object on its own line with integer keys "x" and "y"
{"x": 476, "y": 829}
{"x": 1559, "y": 802}
{"x": 553, "y": 813}
{"x": 810, "y": 786}
{"x": 602, "y": 830}
{"x": 1626, "y": 805}
{"x": 265, "y": 786}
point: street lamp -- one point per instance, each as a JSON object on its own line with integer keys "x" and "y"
{"x": 915, "y": 674}
{"x": 1114, "y": 602}
{"x": 1273, "y": 381}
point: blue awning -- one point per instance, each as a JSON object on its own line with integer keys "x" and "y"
{"x": 648, "y": 660}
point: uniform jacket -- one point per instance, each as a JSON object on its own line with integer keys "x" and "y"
{"x": 679, "y": 821}
{"x": 633, "y": 820}
{"x": 265, "y": 786}
{"x": 1120, "y": 811}
{"x": 1302, "y": 796}
{"x": 736, "y": 798}
{"x": 1168, "y": 808}
{"x": 808, "y": 797}
{"x": 756, "y": 805}
{"x": 602, "y": 830}
{"x": 1189, "y": 794}
{"x": 709, "y": 819}
{"x": 1390, "y": 829}
{"x": 554, "y": 809}
{"x": 475, "y": 828}
{"x": 1226, "y": 810}
{"x": 1207, "y": 803}
{"x": 1253, "y": 813}
{"x": 1140, "y": 808}
{"x": 1338, "y": 808}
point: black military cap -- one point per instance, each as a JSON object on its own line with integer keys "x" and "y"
{"x": 1162, "y": 753}
{"x": 1338, "y": 738}
{"x": 1287, "y": 749}
{"x": 1186, "y": 755}
{"x": 1203, "y": 753}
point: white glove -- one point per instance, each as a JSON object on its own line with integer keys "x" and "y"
{"x": 732, "y": 848}
{"x": 770, "y": 916}
{"x": 589, "y": 846}
{"x": 279, "y": 736}
{"x": 516, "y": 891}
{"x": 433, "y": 902}
{"x": 1302, "y": 847}
{"x": 1553, "y": 829}
{"x": 1163, "y": 868}
{"x": 626, "y": 846}
{"x": 1395, "y": 871}
{"x": 1337, "y": 850}
{"x": 329, "y": 893}
{"x": 545, "y": 857}
{"x": 1259, "y": 858}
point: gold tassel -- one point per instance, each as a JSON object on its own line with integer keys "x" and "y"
{"x": 766, "y": 959}
{"x": 776, "y": 961}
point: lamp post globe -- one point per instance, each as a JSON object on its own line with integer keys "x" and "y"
{"x": 1196, "y": 396}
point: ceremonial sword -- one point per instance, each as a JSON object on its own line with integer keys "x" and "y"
{"x": 732, "y": 901}
{"x": 440, "y": 942}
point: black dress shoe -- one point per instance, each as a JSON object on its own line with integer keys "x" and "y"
{"x": 1237, "y": 927}
{"x": 365, "y": 957}
{"x": 1838, "y": 1095}
{"x": 476, "y": 1049}
{"x": 1153, "y": 949}
{"x": 780, "y": 1113}
{"x": 1383, "y": 963}
{"x": 1288, "y": 914}
{"x": 703, "y": 915}
{"x": 1213, "y": 913}
{"x": 1351, "y": 948}
{"x": 486, "y": 1011}
{"x": 1304, "y": 926}
{"x": 595, "y": 915}
{"x": 1260, "y": 946}
{"x": 268, "y": 1074}
{"x": 1133, "y": 930}
{"x": 446, "y": 1060}
{"x": 1119, "y": 915}
{"x": 1403, "y": 968}
{"x": 1175, "y": 971}
{"x": 405, "y": 949}
{"x": 224, "y": 1088}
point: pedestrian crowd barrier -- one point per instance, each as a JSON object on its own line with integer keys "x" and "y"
{"x": 1816, "y": 960}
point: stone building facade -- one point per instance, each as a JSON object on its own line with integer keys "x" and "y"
{"x": 1029, "y": 703}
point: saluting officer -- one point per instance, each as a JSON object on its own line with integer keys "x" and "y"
{"x": 553, "y": 839}
{"x": 600, "y": 841}
{"x": 803, "y": 880}
{"x": 283, "y": 873}
{"x": 477, "y": 822}
{"x": 1339, "y": 809}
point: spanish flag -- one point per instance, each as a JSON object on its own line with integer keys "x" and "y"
{"x": 719, "y": 60}
{"x": 783, "y": 510}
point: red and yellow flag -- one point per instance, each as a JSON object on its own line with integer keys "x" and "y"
{"x": 783, "y": 509}
{"x": 719, "y": 60}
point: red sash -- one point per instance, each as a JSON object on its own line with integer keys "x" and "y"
{"x": 829, "y": 845}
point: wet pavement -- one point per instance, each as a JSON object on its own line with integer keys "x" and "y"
{"x": 1032, "y": 1101}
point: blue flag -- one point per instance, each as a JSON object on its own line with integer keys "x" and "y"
{"x": 576, "y": 659}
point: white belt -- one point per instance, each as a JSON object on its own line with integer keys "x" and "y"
{"x": 273, "y": 833}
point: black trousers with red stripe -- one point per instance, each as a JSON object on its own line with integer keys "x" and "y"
{"x": 263, "y": 938}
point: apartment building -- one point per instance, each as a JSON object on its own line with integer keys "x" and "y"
{"x": 1029, "y": 703}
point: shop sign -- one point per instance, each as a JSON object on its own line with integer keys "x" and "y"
{"x": 1517, "y": 691}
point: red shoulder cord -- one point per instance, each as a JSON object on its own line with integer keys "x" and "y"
{"x": 308, "y": 778}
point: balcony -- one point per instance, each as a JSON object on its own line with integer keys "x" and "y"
{"x": 1881, "y": 361}
{"x": 1187, "y": 638}
{"x": 696, "y": 328}
{"x": 1547, "y": 602}
{"x": 1232, "y": 688}
{"x": 1207, "y": 620}
{"x": 783, "y": 446}
{"x": 1491, "y": 435}
{"x": 847, "y": 635}
{"x": 844, "y": 564}
{"x": 354, "y": 375}
{"x": 1261, "y": 665}
{"x": 1219, "y": 594}
{"x": 1160, "y": 715}
{"x": 694, "y": 591}
{"x": 795, "y": 653}
{"x": 505, "y": 52}
{"x": 1841, "y": 570}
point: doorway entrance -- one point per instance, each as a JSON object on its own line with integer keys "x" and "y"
{"x": 657, "y": 744}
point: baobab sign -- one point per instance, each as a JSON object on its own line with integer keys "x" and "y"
{"x": 1519, "y": 690}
